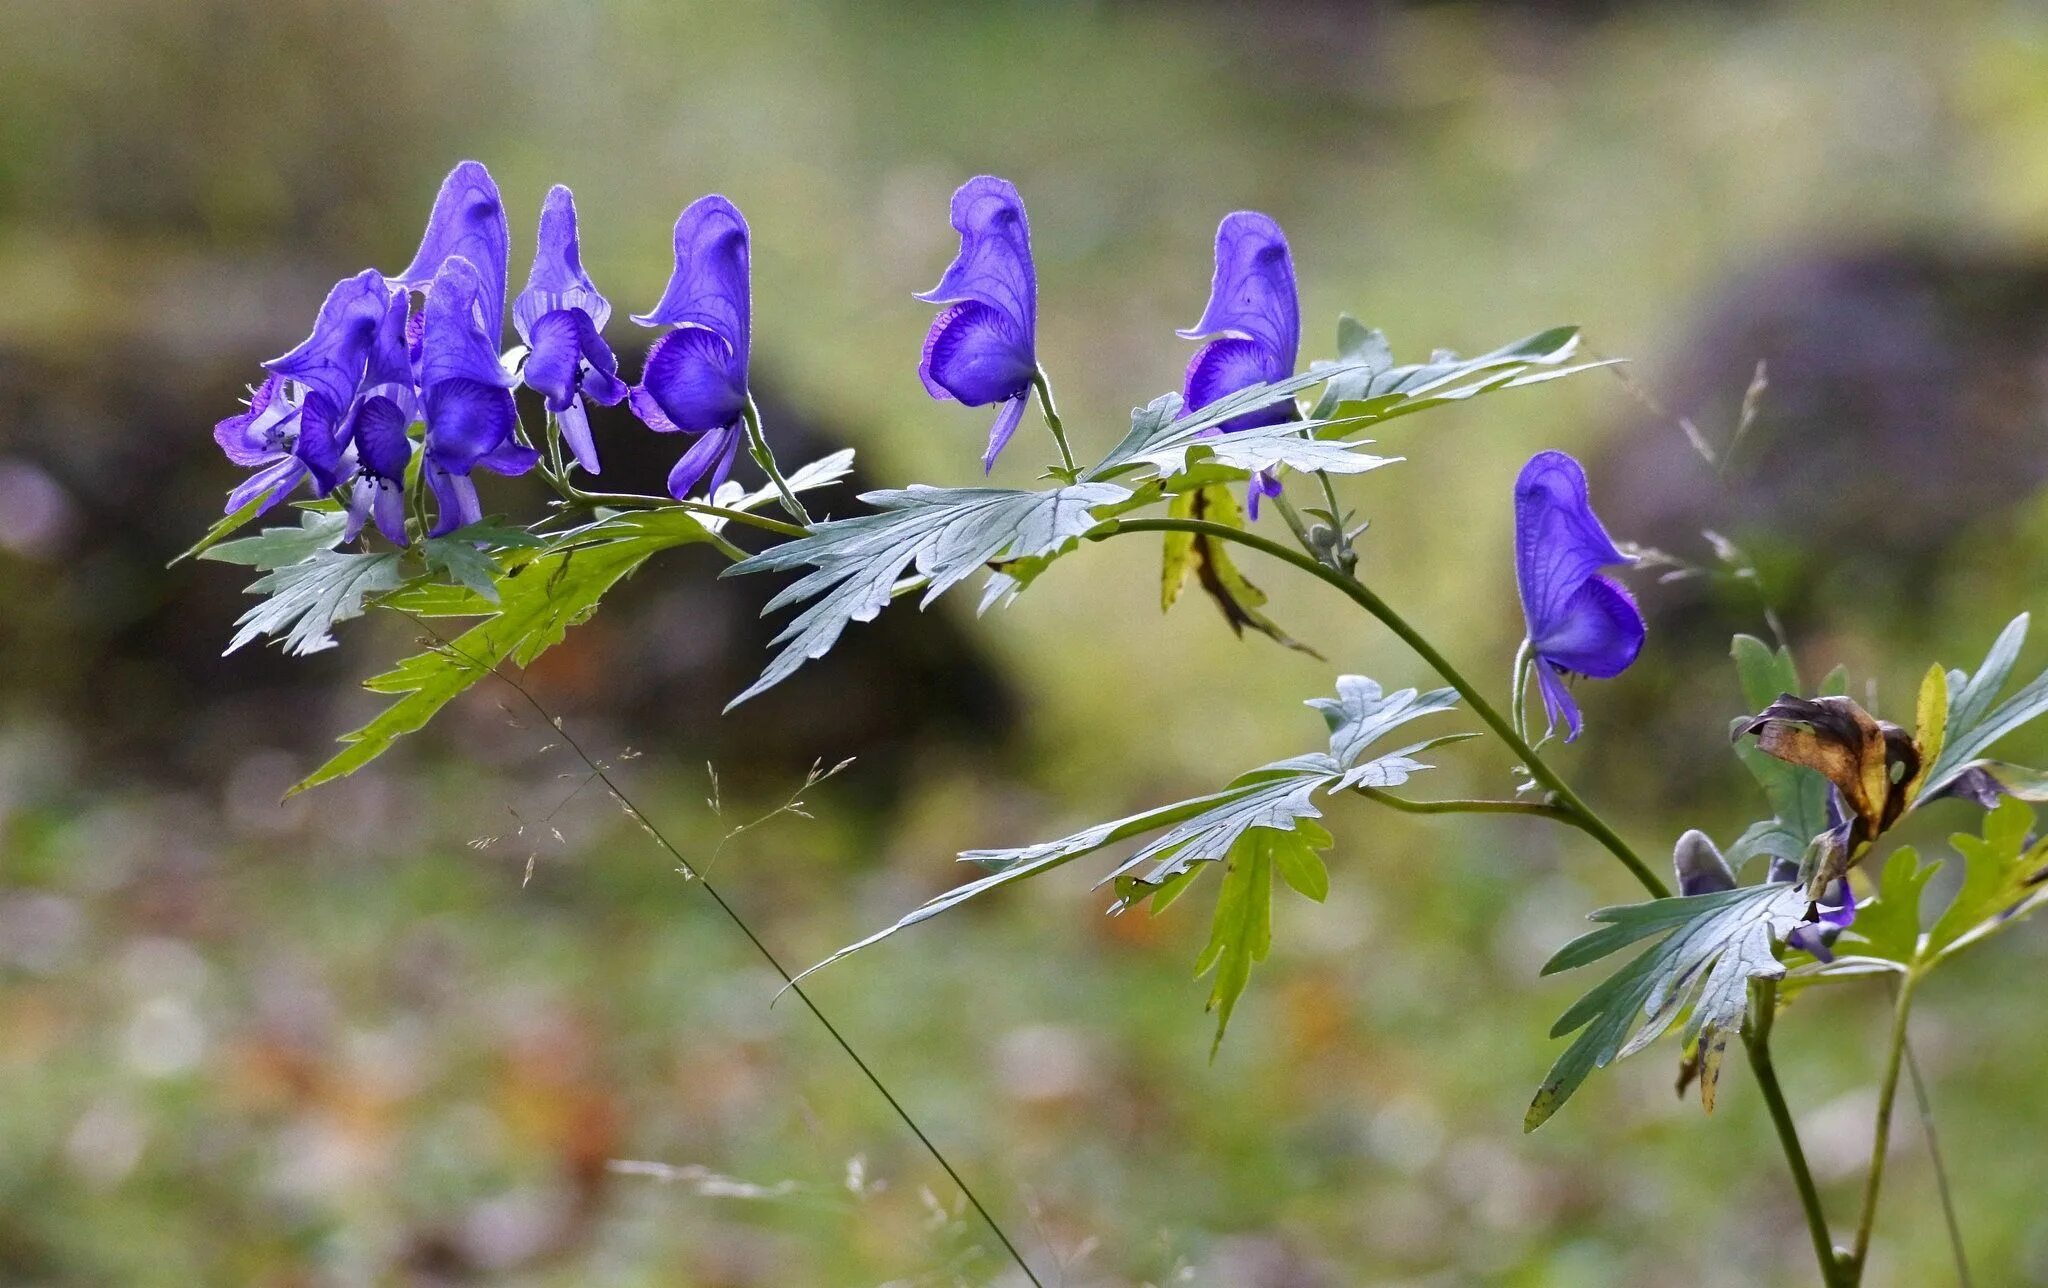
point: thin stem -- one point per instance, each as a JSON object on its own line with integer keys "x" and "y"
{"x": 1756, "y": 1039}
{"x": 1052, "y": 422}
{"x": 1294, "y": 523}
{"x": 1583, "y": 816}
{"x": 1941, "y": 1186}
{"x": 1887, "y": 1091}
{"x": 636, "y": 501}
{"x": 598, "y": 770}
{"x": 1330, "y": 499}
{"x": 1519, "y": 688}
{"x": 1536, "y": 809}
{"x": 757, "y": 447}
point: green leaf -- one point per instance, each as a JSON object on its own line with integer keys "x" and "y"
{"x": 946, "y": 533}
{"x": 1366, "y": 353}
{"x": 1296, "y": 860}
{"x": 1976, "y": 719}
{"x": 2004, "y": 879}
{"x": 1208, "y": 559}
{"x": 537, "y": 602}
{"x": 304, "y": 600}
{"x": 220, "y": 531}
{"x": 458, "y": 558}
{"x": 1798, "y": 797}
{"x": 1276, "y": 799}
{"x": 1889, "y": 926}
{"x": 280, "y": 547}
{"x": 1242, "y": 931}
{"x": 1713, "y": 945}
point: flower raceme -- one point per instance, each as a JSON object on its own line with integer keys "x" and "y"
{"x": 695, "y": 378}
{"x": 1252, "y": 326}
{"x": 982, "y": 348}
{"x": 1580, "y": 622}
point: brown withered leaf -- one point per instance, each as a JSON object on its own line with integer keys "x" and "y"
{"x": 1871, "y": 762}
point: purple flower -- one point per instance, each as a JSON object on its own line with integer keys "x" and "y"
{"x": 1699, "y": 865}
{"x": 376, "y": 428}
{"x": 467, "y": 396}
{"x": 559, "y": 316}
{"x": 1253, "y": 329}
{"x": 982, "y": 348}
{"x": 1579, "y": 621}
{"x": 695, "y": 379}
{"x": 468, "y": 220}
{"x": 294, "y": 428}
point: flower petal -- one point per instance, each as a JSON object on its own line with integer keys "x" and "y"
{"x": 468, "y": 220}
{"x": 555, "y": 362}
{"x": 1559, "y": 543}
{"x": 275, "y": 482}
{"x": 999, "y": 433}
{"x": 994, "y": 264}
{"x": 319, "y": 444}
{"x": 1599, "y": 634}
{"x": 1253, "y": 292}
{"x": 453, "y": 345}
{"x": 247, "y": 438}
{"x": 378, "y": 431}
{"x": 691, "y": 375}
{"x": 379, "y": 499}
{"x": 975, "y": 354}
{"x": 455, "y": 500}
{"x": 332, "y": 358}
{"x": 1222, "y": 367}
{"x": 509, "y": 459}
{"x": 466, "y": 421}
{"x": 557, "y": 280}
{"x": 389, "y": 372}
{"x": 642, "y": 404}
{"x": 575, "y": 426}
{"x": 1558, "y": 703}
{"x": 713, "y": 453}
{"x": 1700, "y": 867}
{"x": 710, "y": 285}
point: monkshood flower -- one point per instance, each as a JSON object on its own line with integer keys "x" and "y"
{"x": 1253, "y": 329}
{"x": 466, "y": 394}
{"x": 377, "y": 428}
{"x": 982, "y": 348}
{"x": 695, "y": 379}
{"x": 1580, "y": 621}
{"x": 294, "y": 429}
{"x": 559, "y": 315}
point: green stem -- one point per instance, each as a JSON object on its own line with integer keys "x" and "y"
{"x": 1941, "y": 1185}
{"x": 1756, "y": 1039}
{"x": 635, "y": 501}
{"x": 1043, "y": 386}
{"x": 1294, "y": 523}
{"x": 757, "y": 447}
{"x": 1537, "y": 809}
{"x": 1887, "y": 1092}
{"x": 1519, "y": 688}
{"x": 1583, "y": 816}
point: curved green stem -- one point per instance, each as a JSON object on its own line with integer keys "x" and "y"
{"x": 1043, "y": 387}
{"x": 1568, "y": 800}
{"x": 1536, "y": 809}
{"x": 635, "y": 501}
{"x": 1888, "y": 1090}
{"x": 1756, "y": 1039}
{"x": 757, "y": 447}
{"x": 1941, "y": 1185}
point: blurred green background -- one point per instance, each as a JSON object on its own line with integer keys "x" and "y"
{"x": 342, "y": 1041}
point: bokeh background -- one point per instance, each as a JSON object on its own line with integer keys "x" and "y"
{"x": 345, "y": 1040}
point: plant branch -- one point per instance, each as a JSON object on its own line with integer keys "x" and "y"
{"x": 757, "y": 447}
{"x": 1537, "y": 809}
{"x": 1043, "y": 387}
{"x": 1756, "y": 1039}
{"x": 1887, "y": 1092}
{"x": 1941, "y": 1186}
{"x": 1568, "y": 800}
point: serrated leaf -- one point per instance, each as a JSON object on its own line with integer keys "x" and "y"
{"x": 226, "y": 527}
{"x": 1976, "y": 719}
{"x": 2004, "y": 879}
{"x": 1275, "y": 799}
{"x": 1241, "y": 932}
{"x": 1889, "y": 926}
{"x": 273, "y": 548}
{"x": 304, "y": 600}
{"x": 1713, "y": 945}
{"x": 823, "y": 472}
{"x": 946, "y": 534}
{"x": 537, "y": 602}
{"x": 462, "y": 562}
{"x": 1797, "y": 796}
{"x": 1208, "y": 559}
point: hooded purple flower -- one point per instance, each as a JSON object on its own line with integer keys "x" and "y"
{"x": 468, "y": 220}
{"x": 376, "y": 428}
{"x": 982, "y": 348}
{"x": 559, "y": 315}
{"x": 1253, "y": 328}
{"x": 466, "y": 395}
{"x": 294, "y": 428}
{"x": 695, "y": 379}
{"x": 1579, "y": 621}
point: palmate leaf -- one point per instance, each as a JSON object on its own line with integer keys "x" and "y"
{"x": 946, "y": 534}
{"x": 1713, "y": 945}
{"x": 1976, "y": 718}
{"x": 1273, "y": 800}
{"x": 304, "y": 600}
{"x": 280, "y": 547}
{"x": 545, "y": 593}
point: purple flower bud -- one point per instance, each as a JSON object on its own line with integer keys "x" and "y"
{"x": 1578, "y": 620}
